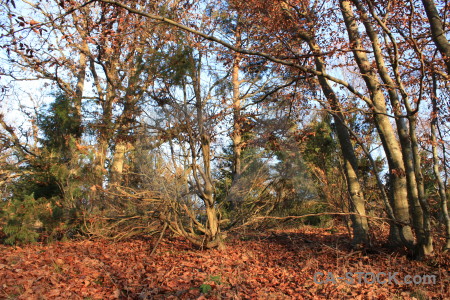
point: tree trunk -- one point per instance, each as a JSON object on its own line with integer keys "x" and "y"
{"x": 403, "y": 235}
{"x": 441, "y": 187}
{"x": 440, "y": 182}
{"x": 120, "y": 150}
{"x": 235, "y": 195}
{"x": 206, "y": 188}
{"x": 425, "y": 242}
{"x": 237, "y": 126}
{"x": 360, "y": 225}
{"x": 80, "y": 77}
{"x": 408, "y": 139}
{"x": 212, "y": 227}
{"x": 437, "y": 31}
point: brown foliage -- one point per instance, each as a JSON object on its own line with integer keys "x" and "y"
{"x": 275, "y": 265}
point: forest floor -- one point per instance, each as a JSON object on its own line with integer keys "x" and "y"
{"x": 276, "y": 264}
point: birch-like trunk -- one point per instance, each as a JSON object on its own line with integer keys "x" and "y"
{"x": 401, "y": 235}
{"x": 407, "y": 135}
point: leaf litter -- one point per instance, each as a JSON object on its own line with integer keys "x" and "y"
{"x": 277, "y": 264}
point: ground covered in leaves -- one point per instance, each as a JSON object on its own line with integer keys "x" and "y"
{"x": 278, "y": 264}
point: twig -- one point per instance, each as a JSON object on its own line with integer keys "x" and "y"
{"x": 322, "y": 214}
{"x": 159, "y": 239}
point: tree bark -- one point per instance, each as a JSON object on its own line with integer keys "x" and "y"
{"x": 404, "y": 235}
{"x": 237, "y": 122}
{"x": 206, "y": 190}
{"x": 118, "y": 162}
{"x": 407, "y": 137}
{"x": 80, "y": 77}
{"x": 437, "y": 31}
{"x": 440, "y": 182}
{"x": 360, "y": 225}
{"x": 235, "y": 195}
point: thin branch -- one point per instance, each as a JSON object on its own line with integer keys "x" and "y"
{"x": 240, "y": 50}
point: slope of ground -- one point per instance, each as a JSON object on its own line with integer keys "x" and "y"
{"x": 275, "y": 265}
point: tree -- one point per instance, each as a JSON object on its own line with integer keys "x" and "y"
{"x": 436, "y": 164}
{"x": 437, "y": 30}
{"x": 272, "y": 60}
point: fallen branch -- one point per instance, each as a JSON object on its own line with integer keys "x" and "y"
{"x": 159, "y": 239}
{"x": 256, "y": 219}
{"x": 322, "y": 214}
